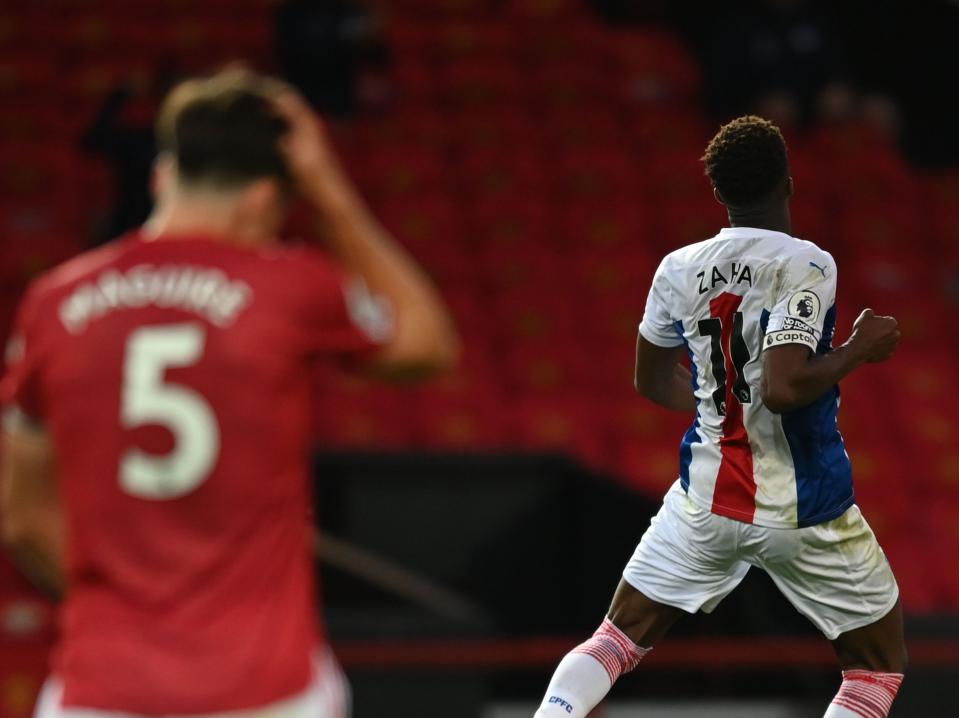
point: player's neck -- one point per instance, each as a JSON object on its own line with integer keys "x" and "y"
{"x": 772, "y": 220}
{"x": 179, "y": 217}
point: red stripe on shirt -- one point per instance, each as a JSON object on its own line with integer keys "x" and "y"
{"x": 735, "y": 492}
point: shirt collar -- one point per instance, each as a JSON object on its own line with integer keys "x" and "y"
{"x": 749, "y": 232}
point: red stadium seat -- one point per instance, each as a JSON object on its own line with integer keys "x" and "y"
{"x": 570, "y": 85}
{"x": 942, "y": 214}
{"x": 496, "y": 127}
{"x": 569, "y": 425}
{"x": 509, "y": 221}
{"x": 864, "y": 169}
{"x": 428, "y": 226}
{"x": 545, "y": 42}
{"x": 25, "y": 255}
{"x": 585, "y": 128}
{"x": 423, "y": 129}
{"x": 459, "y": 39}
{"x": 618, "y": 228}
{"x": 401, "y": 172}
{"x": 548, "y": 367}
{"x": 676, "y": 175}
{"x": 37, "y": 121}
{"x": 656, "y": 129}
{"x": 460, "y": 423}
{"x": 21, "y": 29}
{"x": 416, "y": 81}
{"x": 357, "y": 417}
{"x": 680, "y": 221}
{"x": 480, "y": 84}
{"x": 552, "y": 10}
{"x": 487, "y": 174}
{"x": 656, "y": 66}
{"x": 432, "y": 9}
{"x": 650, "y": 467}
{"x": 36, "y": 170}
{"x": 89, "y": 83}
{"x": 26, "y": 74}
{"x": 605, "y": 175}
{"x": 613, "y": 285}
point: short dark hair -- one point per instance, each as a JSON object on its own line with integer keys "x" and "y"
{"x": 222, "y": 130}
{"x": 747, "y": 161}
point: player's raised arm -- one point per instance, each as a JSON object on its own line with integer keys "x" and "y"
{"x": 424, "y": 338}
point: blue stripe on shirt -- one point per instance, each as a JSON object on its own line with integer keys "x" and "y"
{"x": 692, "y": 434}
{"x": 823, "y": 472}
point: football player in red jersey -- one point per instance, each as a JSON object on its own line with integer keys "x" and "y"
{"x": 157, "y": 420}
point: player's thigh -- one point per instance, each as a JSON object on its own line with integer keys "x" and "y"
{"x": 644, "y": 620}
{"x": 880, "y": 646}
{"x": 835, "y": 574}
{"x": 687, "y": 559}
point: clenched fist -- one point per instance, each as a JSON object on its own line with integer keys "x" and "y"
{"x": 875, "y": 337}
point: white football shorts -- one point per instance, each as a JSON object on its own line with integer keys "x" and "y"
{"x": 835, "y": 574}
{"x": 328, "y": 696}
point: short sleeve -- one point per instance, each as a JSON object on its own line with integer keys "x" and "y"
{"x": 343, "y": 318}
{"x": 805, "y": 296}
{"x": 657, "y": 326}
{"x": 20, "y": 387}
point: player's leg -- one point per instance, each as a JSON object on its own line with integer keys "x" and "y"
{"x": 837, "y": 576}
{"x": 880, "y": 646}
{"x": 684, "y": 563}
{"x": 585, "y": 675}
{"x": 873, "y": 660}
{"x": 642, "y": 619}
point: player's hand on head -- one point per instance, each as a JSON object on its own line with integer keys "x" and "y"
{"x": 875, "y": 336}
{"x": 306, "y": 146}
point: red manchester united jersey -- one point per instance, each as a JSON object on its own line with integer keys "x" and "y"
{"x": 175, "y": 377}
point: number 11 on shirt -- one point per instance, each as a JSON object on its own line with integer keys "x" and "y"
{"x": 724, "y": 328}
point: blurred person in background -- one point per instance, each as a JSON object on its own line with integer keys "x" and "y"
{"x": 327, "y": 49}
{"x": 157, "y": 416}
{"x": 128, "y": 144}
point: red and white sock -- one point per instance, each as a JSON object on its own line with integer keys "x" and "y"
{"x": 585, "y": 675}
{"x": 865, "y": 694}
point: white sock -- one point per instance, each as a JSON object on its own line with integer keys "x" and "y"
{"x": 835, "y": 711}
{"x": 585, "y": 675}
{"x": 579, "y": 684}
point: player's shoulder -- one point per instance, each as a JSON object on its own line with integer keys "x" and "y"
{"x": 298, "y": 256}
{"x": 803, "y": 248}
{"x": 803, "y": 255}
{"x": 301, "y": 268}
{"x": 59, "y": 279}
{"x": 679, "y": 258}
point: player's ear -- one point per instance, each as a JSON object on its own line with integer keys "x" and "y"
{"x": 790, "y": 187}
{"x": 719, "y": 197}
